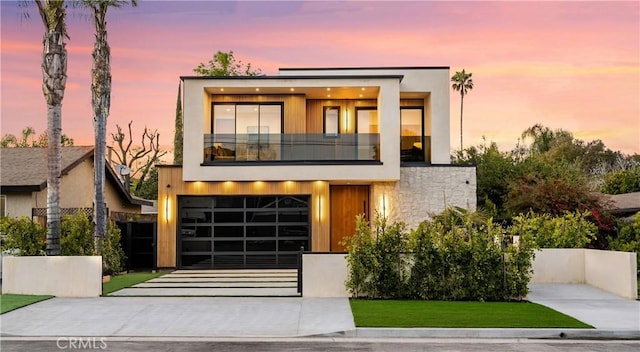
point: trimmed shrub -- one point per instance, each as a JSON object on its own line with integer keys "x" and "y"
{"x": 112, "y": 253}
{"x": 76, "y": 235}
{"x": 572, "y": 230}
{"x": 22, "y": 237}
{"x": 457, "y": 256}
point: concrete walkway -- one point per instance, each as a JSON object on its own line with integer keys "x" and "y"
{"x": 598, "y": 308}
{"x": 180, "y": 317}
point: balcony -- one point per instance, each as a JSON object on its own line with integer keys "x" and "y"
{"x": 233, "y": 148}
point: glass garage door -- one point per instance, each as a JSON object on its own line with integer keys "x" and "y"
{"x": 227, "y": 232}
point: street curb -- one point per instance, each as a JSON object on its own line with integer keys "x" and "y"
{"x": 554, "y": 333}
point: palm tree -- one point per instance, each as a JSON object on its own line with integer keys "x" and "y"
{"x": 462, "y": 83}
{"x": 101, "y": 102}
{"x": 54, "y": 79}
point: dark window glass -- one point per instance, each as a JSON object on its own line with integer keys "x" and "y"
{"x": 261, "y": 202}
{"x": 196, "y": 246}
{"x": 261, "y": 245}
{"x": 196, "y": 260}
{"x": 229, "y": 202}
{"x": 193, "y": 216}
{"x": 229, "y": 246}
{"x": 293, "y": 202}
{"x": 293, "y": 231}
{"x": 261, "y": 260}
{"x": 293, "y": 216}
{"x": 228, "y": 217}
{"x": 229, "y": 231}
{"x": 288, "y": 259}
{"x": 261, "y": 216}
{"x": 261, "y": 231}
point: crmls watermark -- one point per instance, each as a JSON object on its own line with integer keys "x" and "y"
{"x": 76, "y": 343}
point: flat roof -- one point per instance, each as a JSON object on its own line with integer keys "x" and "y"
{"x": 400, "y": 77}
{"x": 364, "y": 68}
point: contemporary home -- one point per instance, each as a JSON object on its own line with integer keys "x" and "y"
{"x": 23, "y": 184}
{"x": 273, "y": 164}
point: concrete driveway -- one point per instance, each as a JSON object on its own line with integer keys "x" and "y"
{"x": 598, "y": 308}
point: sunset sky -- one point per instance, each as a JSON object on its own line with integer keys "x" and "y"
{"x": 570, "y": 65}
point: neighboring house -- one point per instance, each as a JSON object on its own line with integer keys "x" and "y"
{"x": 623, "y": 205}
{"x": 23, "y": 184}
{"x": 275, "y": 163}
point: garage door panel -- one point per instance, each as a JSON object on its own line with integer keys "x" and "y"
{"x": 243, "y": 231}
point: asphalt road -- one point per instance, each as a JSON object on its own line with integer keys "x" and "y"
{"x": 304, "y": 345}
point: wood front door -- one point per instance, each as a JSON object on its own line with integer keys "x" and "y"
{"x": 346, "y": 203}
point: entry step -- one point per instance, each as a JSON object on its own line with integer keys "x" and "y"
{"x": 213, "y": 292}
{"x": 220, "y": 284}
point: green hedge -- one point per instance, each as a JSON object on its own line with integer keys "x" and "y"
{"x": 456, "y": 256}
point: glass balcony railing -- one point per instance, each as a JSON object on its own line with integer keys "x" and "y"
{"x": 291, "y": 147}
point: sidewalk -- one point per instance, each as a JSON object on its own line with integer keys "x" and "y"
{"x": 180, "y": 317}
{"x": 226, "y": 317}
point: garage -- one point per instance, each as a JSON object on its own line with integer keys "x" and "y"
{"x": 242, "y": 232}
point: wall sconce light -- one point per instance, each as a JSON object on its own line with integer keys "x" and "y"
{"x": 167, "y": 209}
{"x": 384, "y": 205}
{"x": 319, "y": 208}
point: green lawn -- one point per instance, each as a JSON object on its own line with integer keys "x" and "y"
{"x": 439, "y": 314}
{"x": 9, "y": 302}
{"x": 119, "y": 282}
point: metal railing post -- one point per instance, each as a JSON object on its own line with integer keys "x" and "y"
{"x": 300, "y": 270}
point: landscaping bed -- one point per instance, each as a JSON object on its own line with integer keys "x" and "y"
{"x": 441, "y": 314}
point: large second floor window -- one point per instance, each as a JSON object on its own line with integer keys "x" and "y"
{"x": 246, "y": 131}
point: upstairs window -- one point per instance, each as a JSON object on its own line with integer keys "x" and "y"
{"x": 331, "y": 120}
{"x": 411, "y": 134}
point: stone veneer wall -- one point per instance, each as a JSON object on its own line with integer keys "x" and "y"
{"x": 425, "y": 191}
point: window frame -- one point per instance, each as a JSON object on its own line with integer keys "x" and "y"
{"x": 324, "y": 121}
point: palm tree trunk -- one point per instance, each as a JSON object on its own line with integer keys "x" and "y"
{"x": 461, "y": 106}
{"x": 101, "y": 101}
{"x": 54, "y": 79}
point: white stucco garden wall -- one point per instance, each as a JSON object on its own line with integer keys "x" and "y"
{"x": 61, "y": 276}
{"x": 324, "y": 275}
{"x": 425, "y": 191}
{"x": 611, "y": 271}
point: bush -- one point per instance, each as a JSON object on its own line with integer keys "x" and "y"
{"x": 628, "y": 239}
{"x": 112, "y": 254}
{"x": 76, "y": 235}
{"x": 457, "y": 256}
{"x": 572, "y": 230}
{"x": 376, "y": 259}
{"x": 22, "y": 237}
{"x": 622, "y": 181}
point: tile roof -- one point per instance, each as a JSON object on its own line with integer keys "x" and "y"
{"x": 28, "y": 166}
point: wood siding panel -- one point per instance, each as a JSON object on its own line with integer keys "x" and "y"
{"x": 347, "y": 113}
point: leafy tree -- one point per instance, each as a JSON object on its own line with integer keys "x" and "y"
{"x": 178, "y": 135}
{"x": 140, "y": 160}
{"x": 27, "y": 139}
{"x": 461, "y": 82}
{"x": 147, "y": 189}
{"x": 494, "y": 170}
{"x": 101, "y": 103}
{"x": 622, "y": 181}
{"x": 225, "y": 64}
